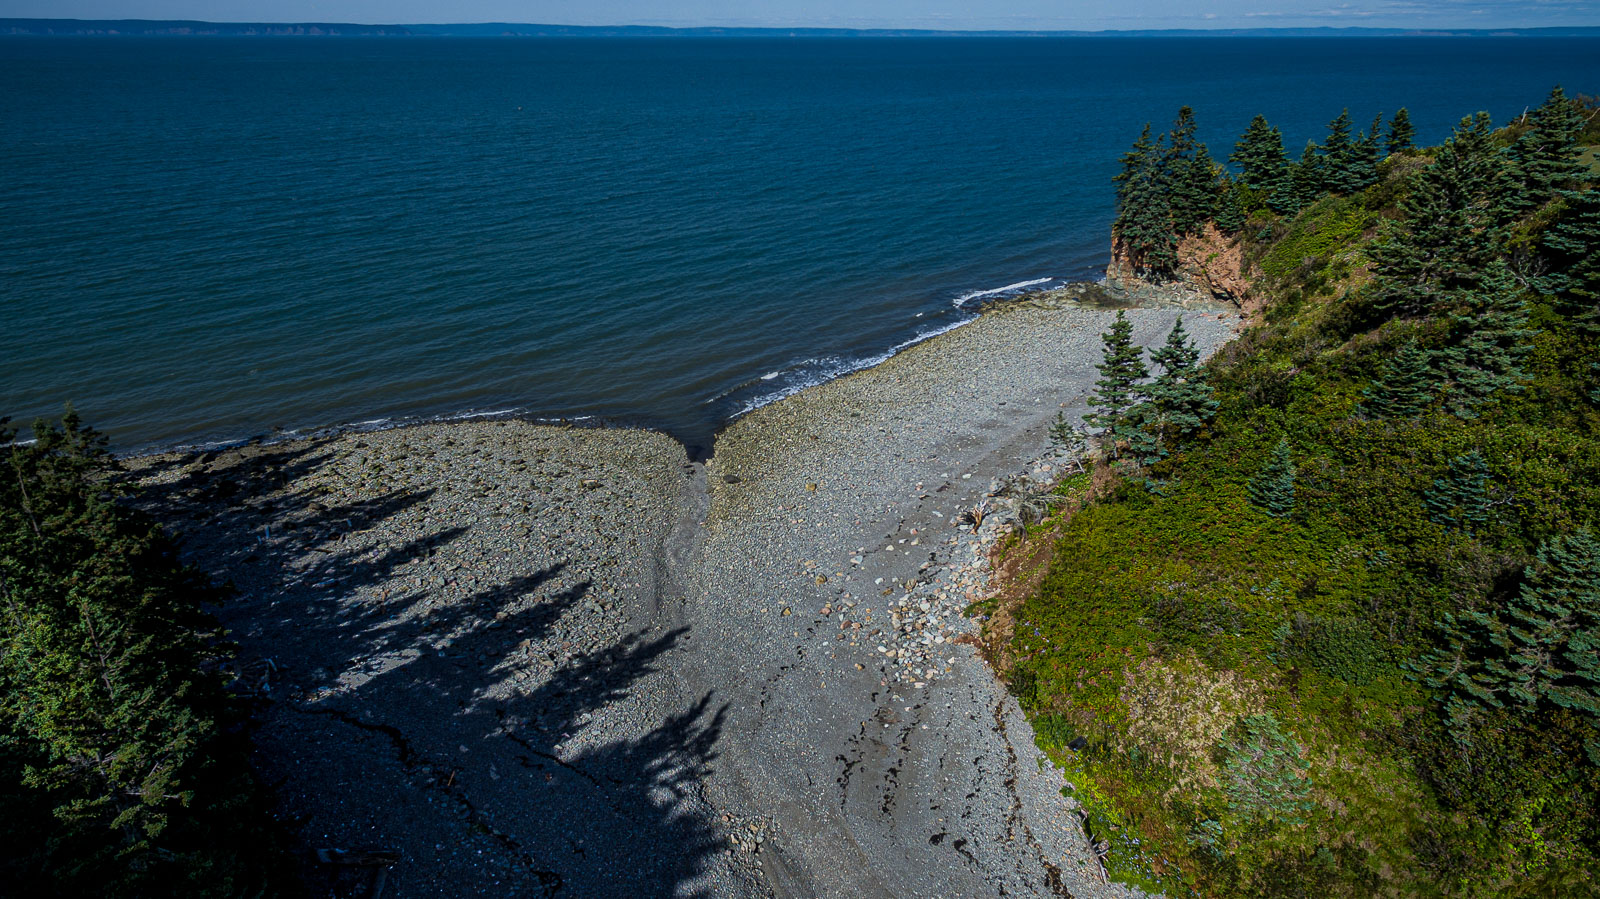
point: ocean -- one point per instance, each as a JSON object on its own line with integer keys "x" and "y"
{"x": 212, "y": 239}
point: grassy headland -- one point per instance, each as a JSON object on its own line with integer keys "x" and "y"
{"x": 1371, "y": 671}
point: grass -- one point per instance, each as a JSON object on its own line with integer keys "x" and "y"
{"x": 1165, "y": 620}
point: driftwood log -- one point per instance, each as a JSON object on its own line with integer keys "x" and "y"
{"x": 379, "y": 860}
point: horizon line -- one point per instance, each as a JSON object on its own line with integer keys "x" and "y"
{"x": 46, "y": 27}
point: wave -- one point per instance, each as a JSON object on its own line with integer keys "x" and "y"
{"x": 968, "y": 297}
{"x": 811, "y": 372}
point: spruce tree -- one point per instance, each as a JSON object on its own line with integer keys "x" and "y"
{"x": 1572, "y": 248}
{"x": 1231, "y": 214}
{"x": 1455, "y": 672}
{"x": 1180, "y": 402}
{"x": 1272, "y": 489}
{"x": 1301, "y": 184}
{"x": 1452, "y": 226}
{"x": 1546, "y": 158}
{"x": 1117, "y": 392}
{"x": 107, "y": 686}
{"x": 1143, "y": 226}
{"x": 1264, "y": 776}
{"x": 1135, "y": 163}
{"x": 1552, "y": 631}
{"x": 1260, "y": 157}
{"x": 1406, "y": 388}
{"x": 1340, "y": 165}
{"x": 1402, "y": 136}
{"x": 1489, "y": 338}
{"x": 1366, "y": 158}
{"x": 1459, "y": 501}
{"x": 1191, "y": 176}
{"x": 1541, "y": 647}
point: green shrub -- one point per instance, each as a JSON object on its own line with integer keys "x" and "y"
{"x": 119, "y": 773}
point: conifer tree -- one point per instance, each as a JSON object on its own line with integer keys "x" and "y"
{"x": 1260, "y": 157}
{"x": 1304, "y": 183}
{"x": 1402, "y": 136}
{"x": 104, "y": 690}
{"x": 1191, "y": 176}
{"x": 1272, "y": 489}
{"x": 1452, "y": 225}
{"x": 1552, "y": 631}
{"x": 1263, "y": 775}
{"x": 1180, "y": 403}
{"x": 1143, "y": 226}
{"x": 1367, "y": 157}
{"x": 1543, "y": 646}
{"x": 1406, "y": 388}
{"x": 1181, "y": 391}
{"x": 1489, "y": 339}
{"x": 1340, "y": 165}
{"x": 1135, "y": 163}
{"x": 1572, "y": 248}
{"x": 1546, "y": 157}
{"x": 1456, "y": 674}
{"x": 1459, "y": 501}
{"x": 1231, "y": 215}
{"x": 1117, "y": 392}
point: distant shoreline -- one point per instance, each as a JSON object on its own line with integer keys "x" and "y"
{"x": 22, "y": 27}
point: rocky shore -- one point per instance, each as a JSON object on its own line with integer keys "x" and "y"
{"x": 548, "y": 661}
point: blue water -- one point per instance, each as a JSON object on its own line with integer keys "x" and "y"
{"x": 205, "y": 239}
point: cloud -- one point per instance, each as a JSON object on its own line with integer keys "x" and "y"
{"x": 1435, "y": 13}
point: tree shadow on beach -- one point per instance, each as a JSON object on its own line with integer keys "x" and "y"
{"x": 461, "y": 728}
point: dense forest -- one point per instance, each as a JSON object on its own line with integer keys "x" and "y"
{"x": 122, "y": 752}
{"x": 1322, "y": 619}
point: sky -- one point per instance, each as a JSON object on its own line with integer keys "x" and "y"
{"x": 949, "y": 14}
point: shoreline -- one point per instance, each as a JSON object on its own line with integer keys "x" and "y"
{"x": 1094, "y": 294}
{"x": 483, "y": 617}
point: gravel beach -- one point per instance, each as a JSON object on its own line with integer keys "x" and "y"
{"x": 554, "y": 661}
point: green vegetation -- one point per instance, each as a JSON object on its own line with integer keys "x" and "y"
{"x": 1344, "y": 639}
{"x": 1122, "y": 368}
{"x": 1142, "y": 420}
{"x": 1168, "y": 188}
{"x": 1272, "y": 489}
{"x": 122, "y": 769}
{"x": 1143, "y": 226}
{"x": 1401, "y": 133}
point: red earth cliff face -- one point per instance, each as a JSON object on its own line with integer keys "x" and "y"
{"x": 1210, "y": 264}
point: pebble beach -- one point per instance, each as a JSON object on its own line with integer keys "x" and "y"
{"x": 540, "y": 660}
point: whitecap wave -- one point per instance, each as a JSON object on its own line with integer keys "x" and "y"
{"x": 971, "y": 295}
{"x": 812, "y": 372}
